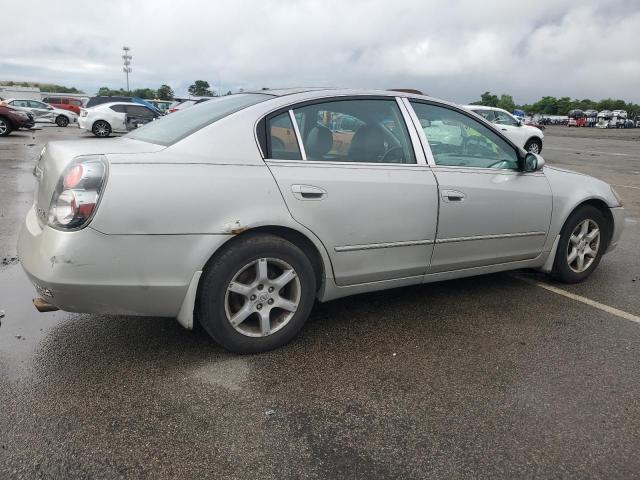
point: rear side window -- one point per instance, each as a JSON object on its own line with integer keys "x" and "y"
{"x": 283, "y": 143}
{"x": 118, "y": 108}
{"x": 139, "y": 111}
{"x": 172, "y": 128}
{"x": 359, "y": 130}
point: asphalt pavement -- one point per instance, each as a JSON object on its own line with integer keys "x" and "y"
{"x": 503, "y": 376}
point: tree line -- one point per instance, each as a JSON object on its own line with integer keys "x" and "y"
{"x": 44, "y": 87}
{"x": 556, "y": 106}
{"x": 199, "y": 88}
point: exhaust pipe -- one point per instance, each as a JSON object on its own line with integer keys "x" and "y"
{"x": 43, "y": 306}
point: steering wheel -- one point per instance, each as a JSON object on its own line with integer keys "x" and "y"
{"x": 398, "y": 159}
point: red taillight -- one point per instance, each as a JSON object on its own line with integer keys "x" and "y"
{"x": 76, "y": 196}
{"x": 73, "y": 178}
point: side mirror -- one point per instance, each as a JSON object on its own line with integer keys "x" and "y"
{"x": 532, "y": 162}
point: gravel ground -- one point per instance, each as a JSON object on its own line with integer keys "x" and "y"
{"x": 488, "y": 377}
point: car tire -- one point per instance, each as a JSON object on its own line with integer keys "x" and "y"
{"x": 5, "y": 127}
{"x": 233, "y": 287}
{"x": 577, "y": 241}
{"x": 533, "y": 145}
{"x": 62, "y": 121}
{"x": 101, "y": 129}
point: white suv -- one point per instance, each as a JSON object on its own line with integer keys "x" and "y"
{"x": 525, "y": 136}
{"x": 115, "y": 117}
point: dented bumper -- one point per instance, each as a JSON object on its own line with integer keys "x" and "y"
{"x": 88, "y": 271}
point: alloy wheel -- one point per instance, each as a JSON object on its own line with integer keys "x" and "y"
{"x": 3, "y": 127}
{"x": 101, "y": 129}
{"x": 584, "y": 244}
{"x": 262, "y": 297}
{"x": 534, "y": 148}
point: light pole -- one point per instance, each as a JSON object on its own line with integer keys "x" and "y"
{"x": 126, "y": 59}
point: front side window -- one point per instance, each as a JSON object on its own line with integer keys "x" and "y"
{"x": 283, "y": 144}
{"x": 359, "y": 130}
{"x": 503, "y": 118}
{"x": 460, "y": 141}
{"x": 34, "y": 104}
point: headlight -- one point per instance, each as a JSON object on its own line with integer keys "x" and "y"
{"x": 617, "y": 195}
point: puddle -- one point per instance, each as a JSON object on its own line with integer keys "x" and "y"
{"x": 23, "y": 327}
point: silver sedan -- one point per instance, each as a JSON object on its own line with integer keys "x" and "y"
{"x": 240, "y": 212}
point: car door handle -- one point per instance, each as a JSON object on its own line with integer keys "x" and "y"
{"x": 308, "y": 192}
{"x": 503, "y": 129}
{"x": 453, "y": 196}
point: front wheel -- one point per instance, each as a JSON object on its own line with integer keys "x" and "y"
{"x": 101, "y": 129}
{"x": 583, "y": 241}
{"x": 5, "y": 127}
{"x": 62, "y": 121}
{"x": 257, "y": 294}
{"x": 533, "y": 145}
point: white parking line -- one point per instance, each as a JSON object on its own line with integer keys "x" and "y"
{"x": 626, "y": 186}
{"x": 580, "y": 298}
{"x": 547, "y": 147}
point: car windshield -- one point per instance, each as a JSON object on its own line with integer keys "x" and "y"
{"x": 178, "y": 125}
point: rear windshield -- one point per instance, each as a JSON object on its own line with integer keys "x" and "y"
{"x": 178, "y": 125}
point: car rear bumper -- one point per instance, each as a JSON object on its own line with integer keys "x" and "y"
{"x": 88, "y": 271}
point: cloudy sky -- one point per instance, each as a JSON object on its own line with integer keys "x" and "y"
{"x": 450, "y": 49}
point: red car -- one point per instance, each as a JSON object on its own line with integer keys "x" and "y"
{"x": 66, "y": 103}
{"x": 12, "y": 119}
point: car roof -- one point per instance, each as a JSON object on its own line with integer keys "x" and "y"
{"x": 109, "y": 104}
{"x": 483, "y": 107}
{"x": 312, "y": 93}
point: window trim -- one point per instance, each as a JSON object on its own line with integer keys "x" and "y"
{"x": 296, "y": 130}
{"x": 473, "y": 116}
{"x": 261, "y": 134}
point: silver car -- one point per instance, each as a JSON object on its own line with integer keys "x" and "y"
{"x": 43, "y": 112}
{"x": 242, "y": 211}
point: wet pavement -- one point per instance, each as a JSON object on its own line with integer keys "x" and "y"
{"x": 488, "y": 377}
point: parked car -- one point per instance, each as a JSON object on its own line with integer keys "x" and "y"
{"x": 12, "y": 119}
{"x": 182, "y": 104}
{"x": 577, "y": 118}
{"x": 604, "y": 117}
{"x": 534, "y": 123}
{"x": 115, "y": 117}
{"x": 162, "y": 105}
{"x": 591, "y": 118}
{"x": 43, "y": 112}
{"x": 202, "y": 215}
{"x": 637, "y": 121}
{"x": 525, "y": 136}
{"x": 99, "y": 100}
{"x": 65, "y": 103}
